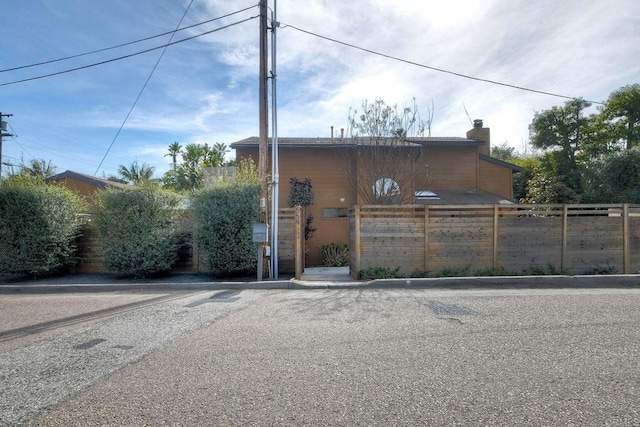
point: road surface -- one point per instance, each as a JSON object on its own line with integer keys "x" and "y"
{"x": 322, "y": 357}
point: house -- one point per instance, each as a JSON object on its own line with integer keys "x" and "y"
{"x": 415, "y": 170}
{"x": 83, "y": 185}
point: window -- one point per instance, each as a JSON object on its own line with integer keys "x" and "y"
{"x": 335, "y": 212}
{"x": 386, "y": 187}
{"x": 386, "y": 190}
{"x": 426, "y": 195}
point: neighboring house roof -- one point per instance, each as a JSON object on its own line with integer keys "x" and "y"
{"x": 91, "y": 180}
{"x": 463, "y": 197}
{"x": 490, "y": 159}
{"x": 254, "y": 141}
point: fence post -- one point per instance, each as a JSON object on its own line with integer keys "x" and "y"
{"x": 625, "y": 233}
{"x": 426, "y": 237}
{"x": 563, "y": 255}
{"x": 356, "y": 221}
{"x": 496, "y": 216}
{"x": 298, "y": 249}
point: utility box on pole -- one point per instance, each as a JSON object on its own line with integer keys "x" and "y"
{"x": 4, "y": 126}
{"x": 260, "y": 235}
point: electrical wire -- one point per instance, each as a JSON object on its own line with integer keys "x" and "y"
{"x": 21, "y": 67}
{"x": 95, "y": 64}
{"x": 406, "y": 61}
{"x": 142, "y": 90}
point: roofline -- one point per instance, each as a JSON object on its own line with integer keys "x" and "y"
{"x": 310, "y": 142}
{"x": 499, "y": 162}
{"x": 98, "y": 182}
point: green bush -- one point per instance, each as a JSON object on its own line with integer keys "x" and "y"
{"x": 453, "y": 272}
{"x": 545, "y": 270}
{"x": 225, "y": 216}
{"x": 38, "y": 227}
{"x": 602, "y": 269}
{"x": 420, "y": 273}
{"x": 497, "y": 271}
{"x": 372, "y": 273}
{"x": 335, "y": 254}
{"x": 140, "y": 230}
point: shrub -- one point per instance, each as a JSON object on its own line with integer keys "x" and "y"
{"x": 419, "y": 273}
{"x": 139, "y": 230}
{"x": 545, "y": 270}
{"x": 373, "y": 273}
{"x": 225, "y": 216}
{"x": 600, "y": 269}
{"x": 300, "y": 193}
{"x": 497, "y": 271}
{"x": 453, "y": 272}
{"x": 38, "y": 227}
{"x": 335, "y": 254}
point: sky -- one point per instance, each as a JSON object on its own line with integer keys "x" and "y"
{"x": 205, "y": 89}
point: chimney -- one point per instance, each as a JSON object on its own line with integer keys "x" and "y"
{"x": 331, "y": 132}
{"x": 481, "y": 133}
{"x": 342, "y": 133}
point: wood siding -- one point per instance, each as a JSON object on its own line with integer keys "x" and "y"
{"x": 328, "y": 169}
{"x": 516, "y": 238}
{"x": 496, "y": 179}
{"x": 447, "y": 168}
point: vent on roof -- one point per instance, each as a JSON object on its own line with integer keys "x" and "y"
{"x": 477, "y": 123}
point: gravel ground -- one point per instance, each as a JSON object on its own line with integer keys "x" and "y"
{"x": 62, "y": 363}
{"x": 391, "y": 357}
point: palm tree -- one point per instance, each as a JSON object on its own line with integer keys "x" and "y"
{"x": 39, "y": 169}
{"x": 221, "y": 150}
{"x": 174, "y": 150}
{"x": 136, "y": 173}
{"x": 193, "y": 155}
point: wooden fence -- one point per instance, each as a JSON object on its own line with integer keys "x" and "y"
{"x": 190, "y": 258}
{"x": 516, "y": 238}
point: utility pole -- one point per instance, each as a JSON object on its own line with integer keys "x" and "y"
{"x": 263, "y": 112}
{"x": 275, "y": 172}
{"x": 3, "y": 132}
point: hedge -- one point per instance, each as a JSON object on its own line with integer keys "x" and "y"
{"x": 140, "y": 230}
{"x": 38, "y": 227}
{"x": 225, "y": 215}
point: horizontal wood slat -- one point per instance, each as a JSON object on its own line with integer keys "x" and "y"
{"x": 517, "y": 238}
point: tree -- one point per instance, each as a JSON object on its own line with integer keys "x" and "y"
{"x": 174, "y": 151}
{"x": 615, "y": 178}
{"x": 40, "y": 169}
{"x": 221, "y": 151}
{"x": 504, "y": 152}
{"x": 136, "y": 173}
{"x": 36, "y": 170}
{"x": 247, "y": 172}
{"x": 382, "y": 170}
{"x": 562, "y": 131}
{"x": 623, "y": 110}
{"x": 189, "y": 174}
{"x": 301, "y": 194}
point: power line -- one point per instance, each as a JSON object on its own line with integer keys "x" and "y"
{"x": 406, "y": 61}
{"x": 21, "y": 67}
{"x": 95, "y": 64}
{"x": 142, "y": 90}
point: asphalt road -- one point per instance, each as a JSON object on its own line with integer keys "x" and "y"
{"x": 329, "y": 357}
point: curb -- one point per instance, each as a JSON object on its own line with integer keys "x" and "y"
{"x": 497, "y": 282}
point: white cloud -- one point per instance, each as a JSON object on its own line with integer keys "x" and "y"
{"x": 206, "y": 89}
